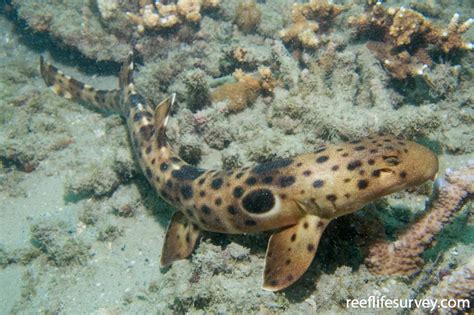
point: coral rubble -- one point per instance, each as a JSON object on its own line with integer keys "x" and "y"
{"x": 406, "y": 36}
{"x": 308, "y": 19}
{"x": 403, "y": 255}
{"x": 159, "y": 16}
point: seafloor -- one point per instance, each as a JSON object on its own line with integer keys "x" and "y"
{"x": 80, "y": 228}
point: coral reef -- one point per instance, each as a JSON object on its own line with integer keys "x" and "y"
{"x": 245, "y": 91}
{"x": 159, "y": 16}
{"x": 247, "y": 16}
{"x": 307, "y": 20}
{"x": 403, "y": 255}
{"x": 405, "y": 38}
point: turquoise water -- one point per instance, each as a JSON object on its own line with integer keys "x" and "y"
{"x": 81, "y": 229}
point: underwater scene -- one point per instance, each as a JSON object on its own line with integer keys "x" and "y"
{"x": 236, "y": 157}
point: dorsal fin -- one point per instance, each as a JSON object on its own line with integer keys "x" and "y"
{"x": 162, "y": 112}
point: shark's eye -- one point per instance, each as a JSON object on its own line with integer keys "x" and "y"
{"x": 391, "y": 160}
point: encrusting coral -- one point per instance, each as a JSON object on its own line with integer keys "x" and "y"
{"x": 308, "y": 19}
{"x": 402, "y": 256}
{"x": 158, "y": 16}
{"x": 404, "y": 37}
{"x": 245, "y": 91}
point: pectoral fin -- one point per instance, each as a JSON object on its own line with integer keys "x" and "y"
{"x": 180, "y": 240}
{"x": 290, "y": 252}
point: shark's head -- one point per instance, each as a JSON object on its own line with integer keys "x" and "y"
{"x": 403, "y": 164}
{"x": 379, "y": 167}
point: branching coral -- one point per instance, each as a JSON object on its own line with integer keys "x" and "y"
{"x": 159, "y": 16}
{"x": 403, "y": 256}
{"x": 405, "y": 36}
{"x": 449, "y": 39}
{"x": 245, "y": 91}
{"x": 401, "y": 65}
{"x": 308, "y": 19}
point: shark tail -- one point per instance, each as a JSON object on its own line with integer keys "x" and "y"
{"x": 110, "y": 101}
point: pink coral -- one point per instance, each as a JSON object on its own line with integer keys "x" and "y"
{"x": 403, "y": 255}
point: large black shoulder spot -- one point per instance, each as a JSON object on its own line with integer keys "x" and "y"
{"x": 258, "y": 201}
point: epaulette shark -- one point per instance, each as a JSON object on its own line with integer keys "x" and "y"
{"x": 296, "y": 197}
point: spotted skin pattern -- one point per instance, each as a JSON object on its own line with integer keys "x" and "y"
{"x": 295, "y": 197}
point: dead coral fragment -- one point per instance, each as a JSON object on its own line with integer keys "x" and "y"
{"x": 191, "y": 9}
{"x": 407, "y": 35}
{"x": 267, "y": 83}
{"x": 400, "y": 26}
{"x": 159, "y": 16}
{"x": 449, "y": 39}
{"x": 308, "y": 19}
{"x": 401, "y": 65}
{"x": 403, "y": 256}
{"x": 406, "y": 24}
{"x": 239, "y": 54}
{"x": 245, "y": 91}
{"x": 247, "y": 16}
